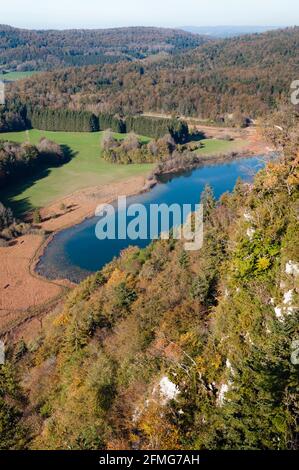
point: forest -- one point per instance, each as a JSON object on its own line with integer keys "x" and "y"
{"x": 24, "y": 50}
{"x": 170, "y": 349}
{"x": 250, "y": 75}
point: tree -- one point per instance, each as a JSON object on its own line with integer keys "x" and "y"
{"x": 208, "y": 201}
{"x": 37, "y": 217}
{"x": 6, "y": 217}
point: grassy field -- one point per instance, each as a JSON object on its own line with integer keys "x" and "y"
{"x": 217, "y": 146}
{"x": 13, "y": 76}
{"x": 85, "y": 169}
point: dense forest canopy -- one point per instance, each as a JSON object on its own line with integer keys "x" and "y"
{"x": 263, "y": 50}
{"x": 23, "y": 50}
{"x": 221, "y": 80}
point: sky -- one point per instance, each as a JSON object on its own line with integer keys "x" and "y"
{"x": 169, "y": 13}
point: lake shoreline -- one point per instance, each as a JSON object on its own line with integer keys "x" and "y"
{"x": 151, "y": 182}
{"x": 148, "y": 184}
{"x": 80, "y": 207}
{"x": 203, "y": 160}
{"x": 109, "y": 200}
{"x": 23, "y": 289}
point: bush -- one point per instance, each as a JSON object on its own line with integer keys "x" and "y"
{"x": 130, "y": 150}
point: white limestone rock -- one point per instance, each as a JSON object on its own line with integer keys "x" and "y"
{"x": 250, "y": 232}
{"x": 292, "y": 268}
{"x": 168, "y": 389}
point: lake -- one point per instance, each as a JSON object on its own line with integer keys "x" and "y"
{"x": 76, "y": 252}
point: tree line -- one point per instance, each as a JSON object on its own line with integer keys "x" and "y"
{"x": 158, "y": 127}
{"x": 85, "y": 121}
{"x": 113, "y": 122}
{"x": 62, "y": 120}
{"x": 17, "y": 116}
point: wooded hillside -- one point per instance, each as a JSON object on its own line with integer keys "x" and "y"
{"x": 225, "y": 80}
{"x": 22, "y": 49}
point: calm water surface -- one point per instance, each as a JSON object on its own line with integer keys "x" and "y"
{"x": 75, "y": 253}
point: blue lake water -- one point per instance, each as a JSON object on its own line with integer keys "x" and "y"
{"x": 76, "y": 252}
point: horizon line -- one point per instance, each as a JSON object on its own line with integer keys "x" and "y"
{"x": 146, "y": 26}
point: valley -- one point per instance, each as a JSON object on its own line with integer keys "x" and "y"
{"x": 142, "y": 344}
{"x": 67, "y": 195}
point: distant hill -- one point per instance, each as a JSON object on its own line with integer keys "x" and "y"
{"x": 227, "y": 31}
{"x": 25, "y": 50}
{"x": 246, "y": 76}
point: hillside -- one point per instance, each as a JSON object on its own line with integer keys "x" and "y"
{"x": 24, "y": 50}
{"x": 253, "y": 50}
{"x": 223, "y": 80}
{"x": 168, "y": 349}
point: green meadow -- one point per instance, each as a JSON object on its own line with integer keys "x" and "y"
{"x": 218, "y": 146}
{"x": 13, "y": 76}
{"x": 86, "y": 168}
